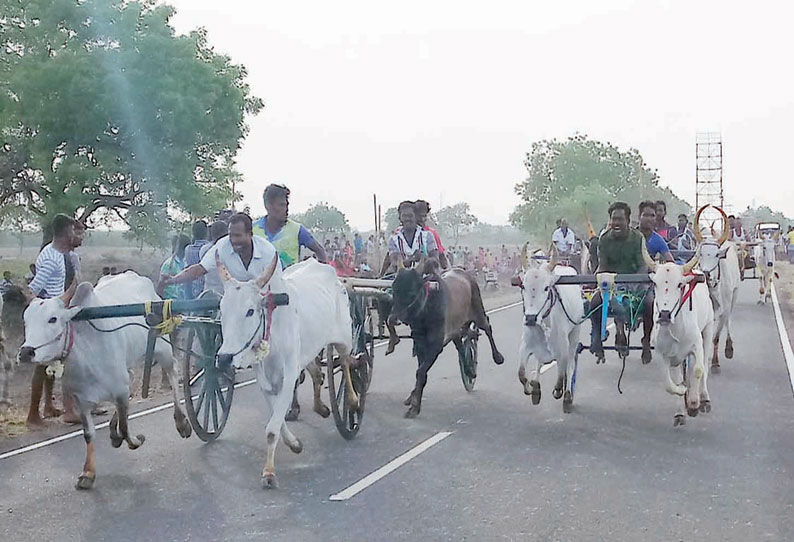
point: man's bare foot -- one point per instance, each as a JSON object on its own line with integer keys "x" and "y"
{"x": 51, "y": 412}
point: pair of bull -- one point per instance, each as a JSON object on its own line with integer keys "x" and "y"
{"x": 278, "y": 343}
{"x": 689, "y": 319}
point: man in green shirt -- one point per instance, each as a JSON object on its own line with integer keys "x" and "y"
{"x": 620, "y": 251}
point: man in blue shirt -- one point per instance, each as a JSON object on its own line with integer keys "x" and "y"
{"x": 193, "y": 289}
{"x": 655, "y": 242}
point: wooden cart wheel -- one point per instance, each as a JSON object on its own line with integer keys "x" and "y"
{"x": 208, "y": 391}
{"x": 468, "y": 360}
{"x": 347, "y": 419}
{"x": 363, "y": 333}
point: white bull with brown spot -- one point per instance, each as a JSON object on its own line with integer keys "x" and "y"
{"x": 683, "y": 331}
{"x": 279, "y": 342}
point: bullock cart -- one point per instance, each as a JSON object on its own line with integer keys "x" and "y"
{"x": 617, "y": 296}
{"x": 365, "y": 295}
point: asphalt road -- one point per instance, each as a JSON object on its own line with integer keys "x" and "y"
{"x": 614, "y": 469}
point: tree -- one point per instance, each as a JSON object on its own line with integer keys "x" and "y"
{"x": 456, "y": 219}
{"x": 105, "y": 111}
{"x": 324, "y": 219}
{"x": 19, "y": 220}
{"x": 392, "y": 219}
{"x": 578, "y": 176}
{"x": 755, "y": 215}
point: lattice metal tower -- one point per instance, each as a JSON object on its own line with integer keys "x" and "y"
{"x": 708, "y": 170}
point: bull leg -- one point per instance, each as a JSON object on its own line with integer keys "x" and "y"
{"x": 273, "y": 430}
{"x": 482, "y": 322}
{"x": 294, "y": 408}
{"x": 672, "y": 385}
{"x": 728, "y": 339}
{"x": 49, "y": 398}
{"x": 523, "y": 358}
{"x": 88, "y": 475}
{"x": 428, "y": 354}
{"x": 394, "y": 339}
{"x": 680, "y": 412}
{"x": 133, "y": 443}
{"x": 167, "y": 363}
{"x": 317, "y": 383}
{"x": 694, "y": 379}
{"x": 115, "y": 437}
{"x": 36, "y": 387}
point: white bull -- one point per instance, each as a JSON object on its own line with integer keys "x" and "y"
{"x": 552, "y": 315}
{"x": 318, "y": 314}
{"x": 764, "y": 253}
{"x": 683, "y": 330}
{"x": 96, "y": 355}
{"x": 721, "y": 267}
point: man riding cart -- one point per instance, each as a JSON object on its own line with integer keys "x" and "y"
{"x": 620, "y": 251}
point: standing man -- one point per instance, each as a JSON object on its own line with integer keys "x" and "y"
{"x": 620, "y": 251}
{"x": 657, "y": 246}
{"x": 286, "y": 235}
{"x": 661, "y": 226}
{"x": 6, "y": 284}
{"x": 683, "y": 238}
{"x": 192, "y": 257}
{"x": 358, "y": 247}
{"x": 564, "y": 238}
{"x": 173, "y": 265}
{"x": 790, "y": 244}
{"x": 422, "y": 213}
{"x": 54, "y": 273}
{"x": 738, "y": 233}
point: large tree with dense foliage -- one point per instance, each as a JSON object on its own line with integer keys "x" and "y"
{"x": 323, "y": 219}
{"x": 455, "y": 220}
{"x": 104, "y": 109}
{"x": 580, "y": 176}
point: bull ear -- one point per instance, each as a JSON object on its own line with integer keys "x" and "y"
{"x": 71, "y": 312}
{"x": 81, "y": 295}
{"x": 722, "y": 253}
{"x": 66, "y": 297}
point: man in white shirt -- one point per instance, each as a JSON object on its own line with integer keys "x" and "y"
{"x": 244, "y": 254}
{"x": 410, "y": 242}
{"x": 564, "y": 238}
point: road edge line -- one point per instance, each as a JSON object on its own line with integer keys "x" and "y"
{"x": 380, "y": 473}
{"x": 788, "y": 353}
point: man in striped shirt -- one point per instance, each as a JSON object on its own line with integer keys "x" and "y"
{"x": 55, "y": 270}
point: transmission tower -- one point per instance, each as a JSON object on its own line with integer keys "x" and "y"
{"x": 708, "y": 178}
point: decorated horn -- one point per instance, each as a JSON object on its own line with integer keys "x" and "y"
{"x": 696, "y": 226}
{"x": 652, "y": 265}
{"x": 66, "y": 297}
{"x": 725, "y": 227}
{"x": 223, "y": 273}
{"x": 524, "y": 256}
{"x": 554, "y": 256}
{"x": 692, "y": 262}
{"x": 268, "y": 274}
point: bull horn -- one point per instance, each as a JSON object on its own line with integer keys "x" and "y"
{"x": 652, "y": 265}
{"x": 696, "y": 226}
{"x": 223, "y": 273}
{"x": 725, "y": 227}
{"x": 268, "y": 274}
{"x": 692, "y": 262}
{"x": 554, "y": 256}
{"x": 524, "y": 256}
{"x": 66, "y": 297}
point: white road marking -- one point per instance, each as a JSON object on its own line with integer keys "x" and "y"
{"x": 784, "y": 341}
{"x": 389, "y": 467}
{"x": 153, "y": 410}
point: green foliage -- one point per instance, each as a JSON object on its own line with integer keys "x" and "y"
{"x": 392, "y": 219}
{"x": 578, "y": 176}
{"x": 455, "y": 220}
{"x": 323, "y": 219}
{"x": 104, "y": 111}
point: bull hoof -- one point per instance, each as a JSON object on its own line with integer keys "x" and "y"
{"x": 567, "y": 402}
{"x": 679, "y": 419}
{"x": 715, "y": 369}
{"x": 391, "y": 346}
{"x": 498, "y": 358}
{"x": 535, "y": 392}
{"x": 269, "y": 481}
{"x": 729, "y": 349}
{"x": 297, "y": 447}
{"x": 133, "y": 445}
{"x": 116, "y": 441}
{"x": 85, "y": 480}
{"x": 692, "y": 411}
{"x": 292, "y": 414}
{"x": 407, "y": 400}
{"x": 412, "y": 412}
{"x": 705, "y": 406}
{"x": 322, "y": 410}
{"x": 184, "y": 429}
{"x": 556, "y": 393}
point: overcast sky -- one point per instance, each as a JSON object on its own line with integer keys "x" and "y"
{"x": 442, "y": 99}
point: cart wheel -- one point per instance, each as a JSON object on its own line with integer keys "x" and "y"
{"x": 468, "y": 360}
{"x": 208, "y": 391}
{"x": 363, "y": 333}
{"x": 348, "y": 421}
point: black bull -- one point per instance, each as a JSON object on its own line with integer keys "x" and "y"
{"x": 439, "y": 309}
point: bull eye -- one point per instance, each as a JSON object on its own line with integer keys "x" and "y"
{"x": 52, "y": 320}
{"x": 250, "y": 312}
